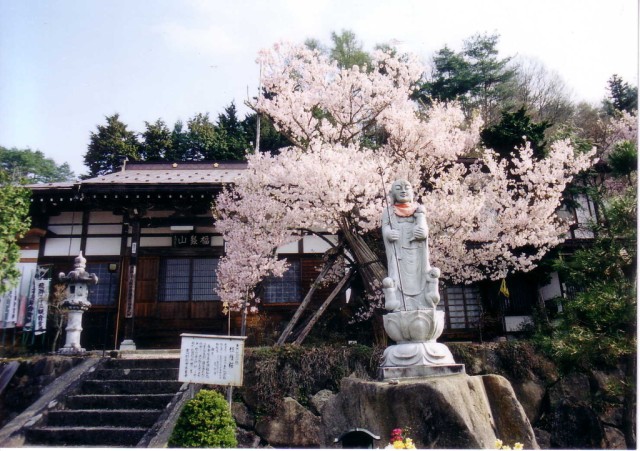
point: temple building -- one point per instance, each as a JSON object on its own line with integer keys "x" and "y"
{"x": 148, "y": 233}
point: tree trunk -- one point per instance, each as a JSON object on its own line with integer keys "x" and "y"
{"x": 369, "y": 265}
{"x": 372, "y": 272}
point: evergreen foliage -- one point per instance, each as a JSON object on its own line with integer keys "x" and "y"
{"x": 205, "y": 422}
{"x": 14, "y": 222}
{"x": 109, "y": 146}
{"x": 29, "y": 166}
{"x": 475, "y": 76}
{"x": 597, "y": 323}
{"x": 622, "y": 96}
{"x": 513, "y": 131}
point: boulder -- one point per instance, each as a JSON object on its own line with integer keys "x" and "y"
{"x": 457, "y": 411}
{"x": 543, "y": 438}
{"x": 573, "y": 387}
{"x": 531, "y": 394}
{"x": 609, "y": 384}
{"x": 612, "y": 415}
{"x": 511, "y": 422}
{"x": 241, "y": 414}
{"x": 293, "y": 427}
{"x": 247, "y": 439}
{"x": 319, "y": 400}
{"x": 614, "y": 438}
{"x": 574, "y": 425}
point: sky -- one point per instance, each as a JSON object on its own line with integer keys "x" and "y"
{"x": 67, "y": 64}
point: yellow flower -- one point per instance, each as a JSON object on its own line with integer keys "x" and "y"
{"x": 398, "y": 444}
{"x": 498, "y": 444}
{"x": 518, "y": 445}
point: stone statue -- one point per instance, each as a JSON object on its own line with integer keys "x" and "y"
{"x": 410, "y": 282}
{"x": 411, "y": 293}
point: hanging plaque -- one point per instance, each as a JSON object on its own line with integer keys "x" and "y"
{"x": 191, "y": 240}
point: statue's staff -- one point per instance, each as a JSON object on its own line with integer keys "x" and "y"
{"x": 393, "y": 243}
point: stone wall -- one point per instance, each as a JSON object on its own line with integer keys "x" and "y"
{"x": 29, "y": 381}
{"x": 286, "y": 390}
{"x": 277, "y": 408}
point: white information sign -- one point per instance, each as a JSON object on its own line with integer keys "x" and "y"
{"x": 211, "y": 359}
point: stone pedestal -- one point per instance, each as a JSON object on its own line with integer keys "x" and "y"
{"x": 127, "y": 345}
{"x": 416, "y": 354}
{"x": 74, "y": 329}
{"x": 389, "y": 373}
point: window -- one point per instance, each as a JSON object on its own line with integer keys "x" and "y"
{"x": 462, "y": 306}
{"x": 285, "y": 289}
{"x": 188, "y": 279}
{"x": 106, "y": 291}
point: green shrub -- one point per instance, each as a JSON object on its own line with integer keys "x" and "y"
{"x": 205, "y": 422}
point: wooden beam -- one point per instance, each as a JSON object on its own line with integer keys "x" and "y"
{"x": 316, "y": 316}
{"x": 307, "y": 299}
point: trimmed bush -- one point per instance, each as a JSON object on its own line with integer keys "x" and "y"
{"x": 205, "y": 422}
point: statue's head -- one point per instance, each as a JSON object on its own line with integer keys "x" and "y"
{"x": 401, "y": 192}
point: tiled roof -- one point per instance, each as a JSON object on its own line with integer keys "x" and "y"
{"x": 181, "y": 173}
{"x": 172, "y": 173}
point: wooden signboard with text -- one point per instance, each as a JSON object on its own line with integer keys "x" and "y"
{"x": 211, "y": 359}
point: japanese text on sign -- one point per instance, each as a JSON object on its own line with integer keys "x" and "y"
{"x": 191, "y": 240}
{"x": 211, "y": 359}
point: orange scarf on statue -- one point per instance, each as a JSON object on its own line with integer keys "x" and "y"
{"x": 405, "y": 210}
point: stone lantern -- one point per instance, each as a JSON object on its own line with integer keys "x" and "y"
{"x": 76, "y": 302}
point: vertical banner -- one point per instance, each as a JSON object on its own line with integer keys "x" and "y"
{"x": 11, "y": 307}
{"x": 42, "y": 303}
{"x": 28, "y": 274}
{"x": 131, "y": 292}
{"x": 4, "y": 299}
{"x": 38, "y": 302}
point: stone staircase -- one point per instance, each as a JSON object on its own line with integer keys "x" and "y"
{"x": 115, "y": 405}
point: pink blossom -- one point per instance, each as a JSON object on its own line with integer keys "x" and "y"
{"x": 480, "y": 216}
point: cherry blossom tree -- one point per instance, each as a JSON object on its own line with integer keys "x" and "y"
{"x": 355, "y": 130}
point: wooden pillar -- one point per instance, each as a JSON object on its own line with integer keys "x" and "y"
{"x": 129, "y": 313}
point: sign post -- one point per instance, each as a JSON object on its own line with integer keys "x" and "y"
{"x": 211, "y": 359}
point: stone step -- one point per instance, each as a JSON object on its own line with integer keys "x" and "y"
{"x": 137, "y": 373}
{"x": 114, "y": 402}
{"x": 127, "y": 387}
{"x": 110, "y": 418}
{"x": 142, "y": 363}
{"x": 85, "y": 436}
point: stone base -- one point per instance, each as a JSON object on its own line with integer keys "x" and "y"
{"x": 71, "y": 351}
{"x": 127, "y": 345}
{"x": 386, "y": 373}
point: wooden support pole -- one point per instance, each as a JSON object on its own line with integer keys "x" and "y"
{"x": 307, "y": 299}
{"x": 316, "y": 316}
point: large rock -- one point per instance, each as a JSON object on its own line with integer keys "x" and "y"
{"x": 293, "y": 427}
{"x": 242, "y": 416}
{"x": 574, "y": 425}
{"x": 457, "y": 411}
{"x": 614, "y": 438}
{"x": 531, "y": 395}
{"x": 573, "y": 387}
{"x": 319, "y": 400}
